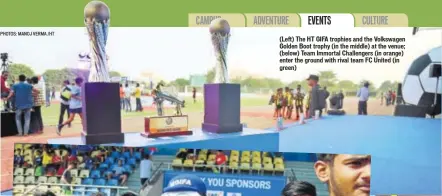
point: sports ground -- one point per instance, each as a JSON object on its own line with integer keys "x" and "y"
{"x": 255, "y": 112}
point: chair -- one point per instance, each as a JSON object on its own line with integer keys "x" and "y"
{"x": 19, "y": 179}
{"x": 199, "y": 165}
{"x": 19, "y": 171}
{"x": 132, "y": 161}
{"x": 64, "y": 152}
{"x": 27, "y": 152}
{"x": 18, "y": 146}
{"x": 137, "y": 155}
{"x": 188, "y": 164}
{"x": 256, "y": 154}
{"x": 107, "y": 173}
{"x": 42, "y": 188}
{"x": 76, "y": 181}
{"x": 81, "y": 166}
{"x": 95, "y": 174}
{"x": 267, "y": 160}
{"x": 233, "y": 165}
{"x": 84, "y": 173}
{"x": 42, "y": 179}
{"x": 210, "y": 164}
{"x": 113, "y": 166}
{"x": 278, "y": 160}
{"x": 100, "y": 182}
{"x": 56, "y": 190}
{"x": 27, "y": 146}
{"x": 279, "y": 169}
{"x": 234, "y": 153}
{"x": 234, "y": 159}
{"x": 211, "y": 157}
{"x": 115, "y": 154}
{"x": 245, "y": 167}
{"x": 30, "y": 180}
{"x": 29, "y": 172}
{"x": 265, "y": 154}
{"x": 112, "y": 182}
{"x": 18, "y": 189}
{"x": 256, "y": 160}
{"x": 103, "y": 166}
{"x": 91, "y": 191}
{"x": 126, "y": 155}
{"x": 88, "y": 181}
{"x": 53, "y": 180}
{"x": 74, "y": 173}
{"x": 105, "y": 191}
{"x": 177, "y": 163}
{"x": 245, "y": 153}
{"x": 204, "y": 151}
{"x": 256, "y": 167}
{"x": 268, "y": 168}
{"x": 128, "y": 168}
{"x": 29, "y": 188}
{"x": 245, "y": 159}
{"x": 202, "y": 157}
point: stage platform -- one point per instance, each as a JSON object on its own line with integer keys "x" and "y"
{"x": 406, "y": 152}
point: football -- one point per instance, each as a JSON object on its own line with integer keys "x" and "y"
{"x": 96, "y": 10}
{"x": 219, "y": 25}
{"x": 419, "y": 88}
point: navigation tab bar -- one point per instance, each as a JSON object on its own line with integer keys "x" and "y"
{"x": 204, "y": 20}
{"x": 326, "y": 20}
{"x": 273, "y": 20}
{"x": 381, "y": 20}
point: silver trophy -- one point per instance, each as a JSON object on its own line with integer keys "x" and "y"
{"x": 96, "y": 19}
{"x": 220, "y": 32}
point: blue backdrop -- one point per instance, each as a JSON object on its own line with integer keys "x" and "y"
{"x": 231, "y": 185}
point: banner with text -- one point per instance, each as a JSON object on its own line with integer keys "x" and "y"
{"x": 235, "y": 185}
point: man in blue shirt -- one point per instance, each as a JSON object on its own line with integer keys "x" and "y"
{"x": 75, "y": 104}
{"x": 363, "y": 95}
{"x": 24, "y": 101}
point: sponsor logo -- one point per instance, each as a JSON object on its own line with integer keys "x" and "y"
{"x": 215, "y": 193}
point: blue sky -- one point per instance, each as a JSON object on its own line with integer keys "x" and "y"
{"x": 170, "y": 53}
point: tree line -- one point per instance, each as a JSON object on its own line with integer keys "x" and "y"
{"x": 55, "y": 77}
{"x": 326, "y": 78}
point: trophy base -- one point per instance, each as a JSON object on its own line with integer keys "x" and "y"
{"x": 222, "y": 108}
{"x": 90, "y": 139}
{"x": 167, "y": 134}
{"x": 101, "y": 113}
{"x": 336, "y": 112}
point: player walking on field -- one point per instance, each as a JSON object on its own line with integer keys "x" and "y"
{"x": 299, "y": 99}
{"x": 75, "y": 104}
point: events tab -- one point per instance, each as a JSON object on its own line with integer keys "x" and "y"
{"x": 326, "y": 20}
{"x": 381, "y": 20}
{"x": 273, "y": 20}
{"x": 204, "y": 20}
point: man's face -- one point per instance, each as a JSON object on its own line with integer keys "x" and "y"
{"x": 310, "y": 82}
{"x": 348, "y": 175}
{"x": 5, "y": 75}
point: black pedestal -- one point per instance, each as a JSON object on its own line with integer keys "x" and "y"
{"x": 222, "y": 108}
{"x": 410, "y": 111}
{"x": 101, "y": 113}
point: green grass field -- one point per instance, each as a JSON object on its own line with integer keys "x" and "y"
{"x": 51, "y": 113}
